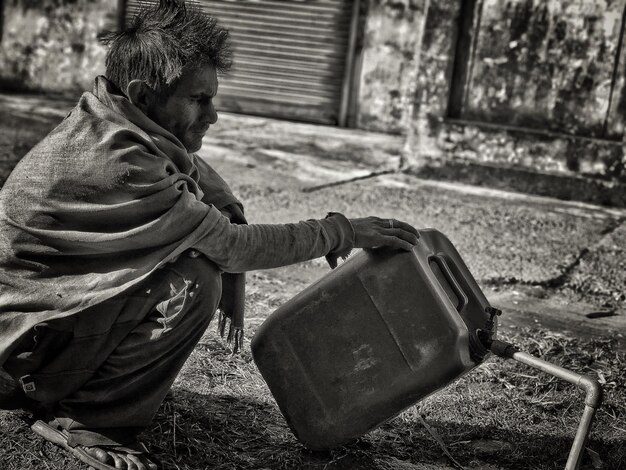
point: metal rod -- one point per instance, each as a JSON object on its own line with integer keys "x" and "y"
{"x": 576, "y": 453}
{"x": 591, "y": 387}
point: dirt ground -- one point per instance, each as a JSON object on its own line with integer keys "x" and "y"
{"x": 557, "y": 269}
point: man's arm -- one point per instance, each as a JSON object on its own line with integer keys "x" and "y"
{"x": 239, "y": 248}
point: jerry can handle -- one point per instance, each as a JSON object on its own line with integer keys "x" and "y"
{"x": 452, "y": 282}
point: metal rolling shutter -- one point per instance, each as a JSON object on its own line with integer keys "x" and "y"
{"x": 290, "y": 57}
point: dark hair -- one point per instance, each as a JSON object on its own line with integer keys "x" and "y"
{"x": 160, "y": 41}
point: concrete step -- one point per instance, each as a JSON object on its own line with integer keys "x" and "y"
{"x": 565, "y": 186}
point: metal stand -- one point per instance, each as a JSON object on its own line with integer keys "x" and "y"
{"x": 590, "y": 386}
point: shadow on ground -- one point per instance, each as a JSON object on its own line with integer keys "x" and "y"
{"x": 219, "y": 431}
{"x": 199, "y": 431}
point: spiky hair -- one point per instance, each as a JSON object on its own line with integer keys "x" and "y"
{"x": 160, "y": 40}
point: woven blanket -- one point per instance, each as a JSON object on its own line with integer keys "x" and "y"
{"x": 104, "y": 200}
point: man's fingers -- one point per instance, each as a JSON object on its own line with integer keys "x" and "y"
{"x": 403, "y": 234}
{"x": 406, "y": 227}
{"x": 398, "y": 243}
{"x": 395, "y": 223}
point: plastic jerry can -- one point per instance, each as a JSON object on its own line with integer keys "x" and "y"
{"x": 371, "y": 338}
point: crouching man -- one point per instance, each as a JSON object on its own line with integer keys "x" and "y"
{"x": 118, "y": 244}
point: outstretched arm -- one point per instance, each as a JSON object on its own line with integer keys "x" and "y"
{"x": 238, "y": 248}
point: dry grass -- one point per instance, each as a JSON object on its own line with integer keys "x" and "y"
{"x": 501, "y": 415}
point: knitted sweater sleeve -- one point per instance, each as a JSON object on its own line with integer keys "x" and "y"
{"x": 239, "y": 248}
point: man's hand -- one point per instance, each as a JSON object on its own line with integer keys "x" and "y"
{"x": 373, "y": 232}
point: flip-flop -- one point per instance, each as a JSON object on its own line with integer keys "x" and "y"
{"x": 59, "y": 436}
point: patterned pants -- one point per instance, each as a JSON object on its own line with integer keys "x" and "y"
{"x": 105, "y": 371}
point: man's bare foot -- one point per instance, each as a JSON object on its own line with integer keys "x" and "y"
{"x": 98, "y": 457}
{"x": 121, "y": 459}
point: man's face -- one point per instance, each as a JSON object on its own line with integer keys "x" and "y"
{"x": 188, "y": 111}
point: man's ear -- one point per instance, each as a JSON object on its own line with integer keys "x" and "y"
{"x": 140, "y": 94}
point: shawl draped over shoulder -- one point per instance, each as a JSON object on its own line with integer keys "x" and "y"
{"x": 103, "y": 201}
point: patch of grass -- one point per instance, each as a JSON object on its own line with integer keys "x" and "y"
{"x": 501, "y": 414}
{"x": 220, "y": 415}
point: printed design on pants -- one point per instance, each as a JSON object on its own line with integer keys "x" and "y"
{"x": 171, "y": 310}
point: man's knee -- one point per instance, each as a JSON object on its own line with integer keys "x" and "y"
{"x": 190, "y": 292}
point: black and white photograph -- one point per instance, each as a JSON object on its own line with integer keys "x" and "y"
{"x": 312, "y": 234}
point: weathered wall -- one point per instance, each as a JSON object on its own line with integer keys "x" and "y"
{"x": 389, "y": 64}
{"x": 544, "y": 64}
{"x": 52, "y": 44}
{"x": 522, "y": 94}
{"x": 433, "y": 84}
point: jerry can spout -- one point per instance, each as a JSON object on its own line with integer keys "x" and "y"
{"x": 480, "y": 341}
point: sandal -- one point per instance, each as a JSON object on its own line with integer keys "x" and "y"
{"x": 59, "y": 436}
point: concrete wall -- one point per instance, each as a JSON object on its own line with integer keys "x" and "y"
{"x": 545, "y": 64}
{"x": 521, "y": 94}
{"x": 470, "y": 138}
{"x": 53, "y": 48}
{"x": 389, "y": 63}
